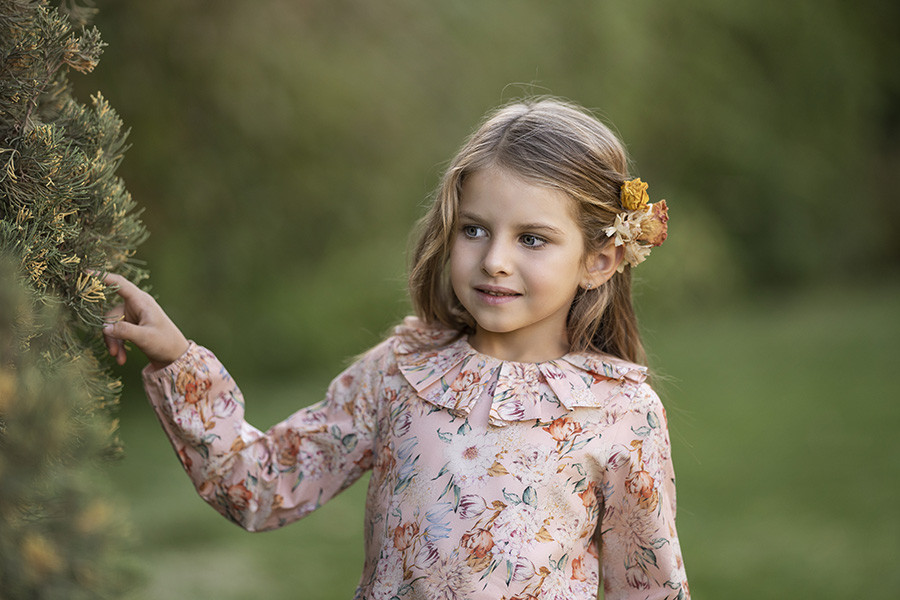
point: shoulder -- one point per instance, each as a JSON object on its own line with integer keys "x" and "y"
{"x": 415, "y": 335}
{"x": 646, "y": 398}
{"x": 622, "y": 388}
{"x": 644, "y": 422}
{"x": 648, "y": 406}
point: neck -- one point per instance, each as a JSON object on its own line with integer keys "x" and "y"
{"x": 514, "y": 348}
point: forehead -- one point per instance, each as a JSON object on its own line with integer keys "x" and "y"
{"x": 501, "y": 194}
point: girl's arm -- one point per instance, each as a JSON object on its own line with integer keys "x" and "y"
{"x": 263, "y": 480}
{"x": 257, "y": 480}
{"x": 639, "y": 544}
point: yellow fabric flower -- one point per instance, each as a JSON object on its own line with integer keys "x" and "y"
{"x": 634, "y": 194}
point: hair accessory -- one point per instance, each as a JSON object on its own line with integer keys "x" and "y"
{"x": 641, "y": 226}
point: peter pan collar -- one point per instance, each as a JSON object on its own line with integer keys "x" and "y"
{"x": 446, "y": 371}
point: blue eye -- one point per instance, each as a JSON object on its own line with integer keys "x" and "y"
{"x": 532, "y": 241}
{"x": 472, "y": 231}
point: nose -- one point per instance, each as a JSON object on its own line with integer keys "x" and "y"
{"x": 497, "y": 260}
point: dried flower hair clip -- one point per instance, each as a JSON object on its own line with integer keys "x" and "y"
{"x": 641, "y": 226}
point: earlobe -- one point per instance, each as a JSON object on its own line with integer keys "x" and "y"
{"x": 601, "y": 266}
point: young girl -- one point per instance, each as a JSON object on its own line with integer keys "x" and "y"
{"x": 514, "y": 444}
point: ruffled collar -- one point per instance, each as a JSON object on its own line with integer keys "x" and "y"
{"x": 446, "y": 371}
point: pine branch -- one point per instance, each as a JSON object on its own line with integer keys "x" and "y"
{"x": 63, "y": 212}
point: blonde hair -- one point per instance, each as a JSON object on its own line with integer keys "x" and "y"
{"x": 560, "y": 145}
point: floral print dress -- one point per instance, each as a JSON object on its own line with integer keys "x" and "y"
{"x": 490, "y": 479}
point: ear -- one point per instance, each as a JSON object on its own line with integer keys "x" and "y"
{"x": 601, "y": 265}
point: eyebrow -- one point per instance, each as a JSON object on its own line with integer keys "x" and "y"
{"x": 542, "y": 227}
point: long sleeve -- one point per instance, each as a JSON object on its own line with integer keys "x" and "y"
{"x": 640, "y": 552}
{"x": 263, "y": 480}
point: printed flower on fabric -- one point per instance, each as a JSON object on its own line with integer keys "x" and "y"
{"x": 289, "y": 448}
{"x": 514, "y": 531}
{"x": 449, "y": 578}
{"x": 566, "y": 528}
{"x": 239, "y": 496}
{"x": 523, "y": 388}
{"x": 224, "y": 406}
{"x": 191, "y": 423}
{"x": 471, "y": 506}
{"x": 532, "y": 464}
{"x": 469, "y": 386}
{"x": 429, "y": 363}
{"x": 192, "y": 387}
{"x": 608, "y": 416}
{"x": 388, "y": 575}
{"x": 588, "y": 578}
{"x": 642, "y": 485}
{"x": 630, "y": 536}
{"x": 523, "y": 381}
{"x": 523, "y": 569}
{"x": 407, "y": 455}
{"x": 563, "y": 429}
{"x": 427, "y": 555}
{"x": 477, "y": 545}
{"x": 402, "y": 420}
{"x": 469, "y": 458}
{"x": 557, "y": 586}
{"x": 404, "y": 534}
{"x": 321, "y": 458}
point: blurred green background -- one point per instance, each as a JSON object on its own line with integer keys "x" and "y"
{"x": 283, "y": 150}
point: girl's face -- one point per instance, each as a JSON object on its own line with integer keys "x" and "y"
{"x": 517, "y": 261}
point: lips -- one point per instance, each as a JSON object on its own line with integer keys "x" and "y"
{"x": 492, "y": 294}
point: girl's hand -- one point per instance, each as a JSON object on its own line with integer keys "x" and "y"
{"x": 139, "y": 319}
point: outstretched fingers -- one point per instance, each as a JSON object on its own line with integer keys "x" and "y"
{"x": 116, "y": 331}
{"x": 115, "y": 345}
{"x": 122, "y": 322}
{"x": 125, "y": 330}
{"x": 125, "y": 289}
{"x": 139, "y": 319}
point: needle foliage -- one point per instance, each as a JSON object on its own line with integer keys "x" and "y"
{"x": 65, "y": 217}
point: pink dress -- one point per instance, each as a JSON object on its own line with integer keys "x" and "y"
{"x": 490, "y": 479}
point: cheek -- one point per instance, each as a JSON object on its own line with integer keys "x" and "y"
{"x": 456, "y": 265}
{"x": 558, "y": 272}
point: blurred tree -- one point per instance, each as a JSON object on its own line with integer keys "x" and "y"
{"x": 64, "y": 214}
{"x": 60, "y": 533}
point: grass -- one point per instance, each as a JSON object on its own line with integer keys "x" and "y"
{"x": 783, "y": 416}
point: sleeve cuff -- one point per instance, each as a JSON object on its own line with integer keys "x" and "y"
{"x": 153, "y": 374}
